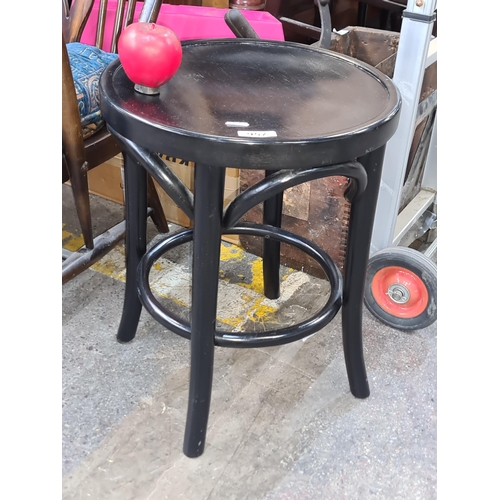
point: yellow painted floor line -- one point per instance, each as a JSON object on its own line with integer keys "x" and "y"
{"x": 242, "y": 301}
{"x": 71, "y": 241}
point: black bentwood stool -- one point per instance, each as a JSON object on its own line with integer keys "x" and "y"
{"x": 298, "y": 112}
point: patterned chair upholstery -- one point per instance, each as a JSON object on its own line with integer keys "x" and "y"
{"x": 87, "y": 64}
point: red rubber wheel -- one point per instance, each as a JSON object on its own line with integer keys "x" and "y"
{"x": 401, "y": 288}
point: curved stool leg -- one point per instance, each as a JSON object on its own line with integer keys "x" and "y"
{"x": 358, "y": 251}
{"x": 208, "y": 201}
{"x": 136, "y": 188}
{"x": 271, "y": 251}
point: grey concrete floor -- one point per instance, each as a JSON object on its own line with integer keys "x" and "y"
{"x": 283, "y": 424}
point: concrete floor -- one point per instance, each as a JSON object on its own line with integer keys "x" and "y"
{"x": 283, "y": 423}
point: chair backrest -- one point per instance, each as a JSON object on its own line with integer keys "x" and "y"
{"x": 75, "y": 17}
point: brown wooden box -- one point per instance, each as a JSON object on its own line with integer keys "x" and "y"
{"x": 106, "y": 181}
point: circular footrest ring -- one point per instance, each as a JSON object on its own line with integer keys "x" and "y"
{"x": 241, "y": 339}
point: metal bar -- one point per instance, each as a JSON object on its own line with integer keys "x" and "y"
{"x": 426, "y": 107}
{"x": 432, "y": 53}
{"x": 431, "y": 249}
{"x": 429, "y": 178}
{"x": 426, "y": 222}
{"x": 411, "y": 185}
{"x": 326, "y": 23}
{"x": 323, "y": 34}
{"x": 411, "y": 213}
{"x": 303, "y": 28}
{"x": 149, "y": 11}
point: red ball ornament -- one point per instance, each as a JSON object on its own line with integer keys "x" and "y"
{"x": 150, "y": 55}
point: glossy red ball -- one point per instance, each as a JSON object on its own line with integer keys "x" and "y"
{"x": 149, "y": 53}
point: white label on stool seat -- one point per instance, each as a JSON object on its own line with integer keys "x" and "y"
{"x": 257, "y": 133}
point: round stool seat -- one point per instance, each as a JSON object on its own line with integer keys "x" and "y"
{"x": 302, "y": 106}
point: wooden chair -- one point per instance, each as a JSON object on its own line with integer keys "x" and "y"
{"x": 83, "y": 150}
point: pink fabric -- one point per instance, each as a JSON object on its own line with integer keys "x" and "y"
{"x": 188, "y": 22}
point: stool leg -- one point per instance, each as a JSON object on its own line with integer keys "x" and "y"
{"x": 135, "y": 180}
{"x": 208, "y": 201}
{"x": 273, "y": 208}
{"x": 358, "y": 251}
